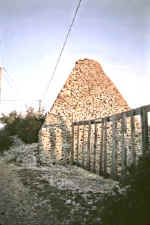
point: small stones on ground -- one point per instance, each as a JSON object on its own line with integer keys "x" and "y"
{"x": 90, "y": 202}
{"x": 94, "y": 207}
{"x": 87, "y": 213}
{"x": 56, "y": 191}
{"x": 68, "y": 201}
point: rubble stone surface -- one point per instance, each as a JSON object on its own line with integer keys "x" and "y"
{"x": 87, "y": 94}
{"x": 57, "y": 194}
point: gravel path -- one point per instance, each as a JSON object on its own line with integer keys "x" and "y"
{"x": 54, "y": 195}
{"x": 15, "y": 200}
{"x": 57, "y": 195}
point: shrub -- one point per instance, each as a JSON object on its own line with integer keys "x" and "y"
{"x": 28, "y": 129}
{"x": 25, "y": 127}
{"x": 133, "y": 206}
{"x": 6, "y": 141}
{"x": 11, "y": 121}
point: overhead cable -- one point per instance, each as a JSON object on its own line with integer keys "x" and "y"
{"x": 8, "y": 81}
{"x": 63, "y": 47}
{"x": 8, "y": 75}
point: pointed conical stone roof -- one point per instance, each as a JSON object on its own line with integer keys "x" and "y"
{"x": 87, "y": 94}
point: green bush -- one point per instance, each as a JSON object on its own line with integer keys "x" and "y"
{"x": 28, "y": 129}
{"x": 11, "y": 121}
{"x": 132, "y": 207}
{"x": 25, "y": 127}
{"x": 6, "y": 141}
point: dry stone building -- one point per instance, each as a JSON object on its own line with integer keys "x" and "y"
{"x": 87, "y": 94}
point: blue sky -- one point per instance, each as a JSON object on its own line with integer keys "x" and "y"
{"x": 116, "y": 33}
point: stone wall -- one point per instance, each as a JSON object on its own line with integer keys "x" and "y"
{"x": 87, "y": 94}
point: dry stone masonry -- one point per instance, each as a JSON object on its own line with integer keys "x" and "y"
{"x": 87, "y": 94}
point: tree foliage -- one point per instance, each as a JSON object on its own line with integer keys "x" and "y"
{"x": 5, "y": 140}
{"x": 26, "y": 127}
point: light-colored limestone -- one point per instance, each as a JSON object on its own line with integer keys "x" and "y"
{"x": 87, "y": 94}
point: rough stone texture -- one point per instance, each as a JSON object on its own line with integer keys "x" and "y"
{"x": 87, "y": 94}
{"x": 57, "y": 195}
{"x": 25, "y": 155}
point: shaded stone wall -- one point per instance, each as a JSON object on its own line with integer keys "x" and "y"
{"x": 87, "y": 94}
{"x": 96, "y": 141}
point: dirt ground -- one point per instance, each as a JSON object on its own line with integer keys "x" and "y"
{"x": 58, "y": 195}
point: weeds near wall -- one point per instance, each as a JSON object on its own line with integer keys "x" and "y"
{"x": 132, "y": 204}
{"x": 26, "y": 127}
{"x": 5, "y": 140}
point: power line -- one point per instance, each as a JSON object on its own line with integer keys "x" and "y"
{"x": 8, "y": 81}
{"x": 63, "y": 47}
{"x": 11, "y": 81}
{"x": 8, "y": 75}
